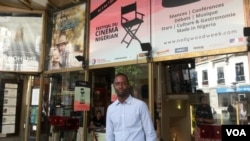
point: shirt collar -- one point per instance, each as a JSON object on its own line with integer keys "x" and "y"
{"x": 127, "y": 101}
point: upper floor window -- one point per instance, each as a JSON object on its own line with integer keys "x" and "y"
{"x": 193, "y": 75}
{"x": 220, "y": 75}
{"x": 239, "y": 69}
{"x": 204, "y": 77}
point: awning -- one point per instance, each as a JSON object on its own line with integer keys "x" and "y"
{"x": 222, "y": 90}
{"x": 239, "y": 89}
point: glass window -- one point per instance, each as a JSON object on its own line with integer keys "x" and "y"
{"x": 193, "y": 75}
{"x": 138, "y": 79}
{"x": 59, "y": 98}
{"x": 222, "y": 86}
{"x": 204, "y": 77}
{"x": 239, "y": 68}
{"x": 220, "y": 75}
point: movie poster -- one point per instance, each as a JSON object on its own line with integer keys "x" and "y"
{"x": 67, "y": 38}
{"x": 20, "y": 42}
{"x": 117, "y": 29}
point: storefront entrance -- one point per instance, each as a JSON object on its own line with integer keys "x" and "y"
{"x": 223, "y": 79}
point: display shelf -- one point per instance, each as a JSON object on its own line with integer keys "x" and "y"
{"x": 10, "y": 99}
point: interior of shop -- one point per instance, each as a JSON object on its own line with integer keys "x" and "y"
{"x": 54, "y": 84}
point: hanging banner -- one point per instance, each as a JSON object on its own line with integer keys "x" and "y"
{"x": 117, "y": 29}
{"x": 67, "y": 38}
{"x": 196, "y": 25}
{"x": 20, "y": 42}
{"x": 82, "y": 96}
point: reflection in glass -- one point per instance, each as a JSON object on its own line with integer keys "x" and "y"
{"x": 222, "y": 77}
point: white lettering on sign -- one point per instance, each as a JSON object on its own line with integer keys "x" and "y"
{"x": 236, "y": 132}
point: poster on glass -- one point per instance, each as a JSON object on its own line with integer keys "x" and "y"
{"x": 67, "y": 39}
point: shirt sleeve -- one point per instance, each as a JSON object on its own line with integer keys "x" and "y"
{"x": 109, "y": 128}
{"x": 147, "y": 124}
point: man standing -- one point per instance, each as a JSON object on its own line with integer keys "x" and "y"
{"x": 63, "y": 49}
{"x": 203, "y": 115}
{"x": 128, "y": 118}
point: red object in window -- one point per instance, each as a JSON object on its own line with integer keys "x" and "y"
{"x": 66, "y": 123}
{"x": 72, "y": 124}
{"x": 52, "y": 120}
{"x": 210, "y": 131}
{"x": 217, "y": 132}
{"x": 57, "y": 120}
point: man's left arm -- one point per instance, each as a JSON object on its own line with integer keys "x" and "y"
{"x": 147, "y": 124}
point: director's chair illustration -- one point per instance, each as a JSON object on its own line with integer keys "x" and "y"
{"x": 131, "y": 21}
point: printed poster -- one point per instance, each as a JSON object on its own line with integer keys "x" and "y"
{"x": 33, "y": 114}
{"x": 10, "y": 119}
{"x": 82, "y": 96}
{"x": 9, "y": 101}
{"x": 196, "y": 25}
{"x": 35, "y": 96}
{"x": 10, "y": 85}
{"x": 8, "y": 129}
{"x": 20, "y": 42}
{"x": 115, "y": 33}
{"x": 8, "y": 110}
{"x": 67, "y": 38}
{"x": 113, "y": 93}
{"x": 10, "y": 92}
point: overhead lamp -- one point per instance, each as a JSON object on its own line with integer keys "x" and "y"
{"x": 147, "y": 47}
{"x": 246, "y": 31}
{"x": 81, "y": 58}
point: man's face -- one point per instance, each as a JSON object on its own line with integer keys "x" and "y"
{"x": 121, "y": 86}
{"x": 55, "y": 57}
{"x": 98, "y": 115}
{"x": 204, "y": 100}
{"x": 61, "y": 47}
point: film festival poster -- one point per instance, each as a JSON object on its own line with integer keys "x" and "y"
{"x": 112, "y": 27}
{"x": 67, "y": 40}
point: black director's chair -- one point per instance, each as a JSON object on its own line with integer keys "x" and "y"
{"x": 131, "y": 21}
